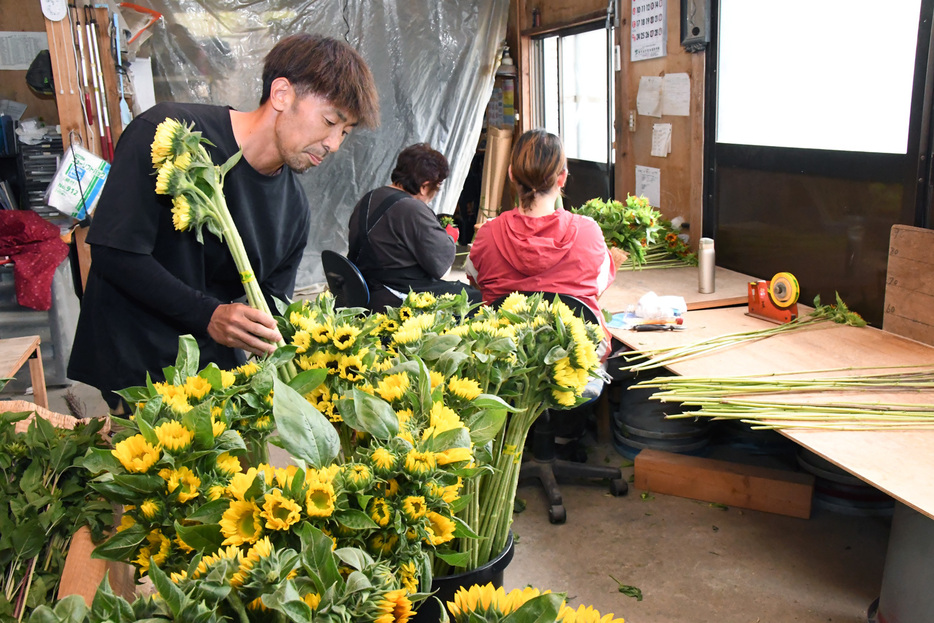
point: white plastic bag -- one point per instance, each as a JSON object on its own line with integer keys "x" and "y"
{"x": 77, "y": 184}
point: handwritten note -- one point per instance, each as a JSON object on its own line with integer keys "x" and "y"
{"x": 649, "y": 97}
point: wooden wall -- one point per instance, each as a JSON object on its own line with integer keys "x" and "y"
{"x": 682, "y": 170}
{"x": 18, "y": 16}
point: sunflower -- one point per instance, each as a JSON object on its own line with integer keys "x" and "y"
{"x": 414, "y": 508}
{"x": 484, "y": 602}
{"x": 384, "y": 461}
{"x": 149, "y": 508}
{"x": 312, "y": 599}
{"x": 449, "y": 494}
{"x": 421, "y": 300}
{"x": 584, "y": 614}
{"x": 181, "y": 213}
{"x": 241, "y": 523}
{"x": 319, "y": 500}
{"x": 241, "y": 483}
{"x": 382, "y": 543}
{"x": 170, "y": 180}
{"x": 453, "y": 455}
{"x": 248, "y": 369}
{"x": 301, "y": 340}
{"x": 280, "y": 512}
{"x": 158, "y": 549}
{"x": 218, "y": 426}
{"x": 357, "y": 476}
{"x": 136, "y": 454}
{"x": 228, "y": 378}
{"x": 419, "y": 463}
{"x": 407, "y": 334}
{"x": 408, "y": 575}
{"x": 394, "y": 608}
{"x": 380, "y": 511}
{"x": 178, "y": 403}
{"x": 393, "y": 387}
{"x": 344, "y": 337}
{"x": 440, "y": 529}
{"x": 351, "y": 367}
{"x": 183, "y": 481}
{"x": 197, "y": 387}
{"x": 468, "y": 389}
{"x": 231, "y": 553}
{"x": 174, "y": 436}
{"x": 167, "y": 141}
{"x": 436, "y": 378}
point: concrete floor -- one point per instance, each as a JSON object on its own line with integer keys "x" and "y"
{"x": 694, "y": 562}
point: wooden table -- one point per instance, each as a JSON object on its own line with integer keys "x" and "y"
{"x": 899, "y": 463}
{"x": 630, "y": 285}
{"x": 16, "y": 351}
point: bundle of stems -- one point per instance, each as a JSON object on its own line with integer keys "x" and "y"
{"x": 826, "y": 415}
{"x": 680, "y": 388}
{"x": 659, "y": 357}
{"x": 659, "y": 255}
{"x": 725, "y": 398}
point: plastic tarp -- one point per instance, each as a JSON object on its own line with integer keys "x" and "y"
{"x": 434, "y": 62}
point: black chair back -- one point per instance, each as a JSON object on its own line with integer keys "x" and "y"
{"x": 345, "y": 281}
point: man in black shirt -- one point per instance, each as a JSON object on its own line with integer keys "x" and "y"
{"x": 395, "y": 238}
{"x": 148, "y": 283}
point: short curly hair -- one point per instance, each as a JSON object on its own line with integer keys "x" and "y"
{"x": 418, "y": 164}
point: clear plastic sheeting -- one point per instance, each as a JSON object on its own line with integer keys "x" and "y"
{"x": 434, "y": 62}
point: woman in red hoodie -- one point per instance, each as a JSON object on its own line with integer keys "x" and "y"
{"x": 538, "y": 246}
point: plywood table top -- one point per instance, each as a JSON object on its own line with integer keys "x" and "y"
{"x": 899, "y": 463}
{"x": 630, "y": 285}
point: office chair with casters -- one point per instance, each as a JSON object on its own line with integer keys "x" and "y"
{"x": 544, "y": 464}
{"x": 344, "y": 280}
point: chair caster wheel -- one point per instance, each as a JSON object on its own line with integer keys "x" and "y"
{"x": 557, "y": 514}
{"x": 619, "y": 487}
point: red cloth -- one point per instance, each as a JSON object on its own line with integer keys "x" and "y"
{"x": 36, "y": 248}
{"x": 562, "y": 252}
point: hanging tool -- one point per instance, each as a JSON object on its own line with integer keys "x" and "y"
{"x": 83, "y": 61}
{"x": 106, "y": 140}
{"x": 125, "y": 115}
{"x": 775, "y": 300}
{"x": 94, "y": 82}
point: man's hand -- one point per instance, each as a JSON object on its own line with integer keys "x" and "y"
{"x": 239, "y": 326}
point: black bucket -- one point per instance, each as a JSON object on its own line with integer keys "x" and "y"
{"x": 444, "y": 587}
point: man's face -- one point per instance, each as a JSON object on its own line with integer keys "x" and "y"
{"x": 309, "y": 129}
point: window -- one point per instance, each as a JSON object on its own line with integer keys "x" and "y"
{"x": 828, "y": 74}
{"x": 573, "y": 92}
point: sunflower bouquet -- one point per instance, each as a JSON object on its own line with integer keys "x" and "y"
{"x": 178, "y": 465}
{"x": 488, "y": 604}
{"x": 640, "y": 231}
{"x": 526, "y": 356}
{"x": 313, "y": 582}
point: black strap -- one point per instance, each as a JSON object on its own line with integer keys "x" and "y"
{"x": 363, "y": 223}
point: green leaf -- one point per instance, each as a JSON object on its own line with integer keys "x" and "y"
{"x": 317, "y": 556}
{"x": 231, "y": 163}
{"x": 354, "y": 557}
{"x": 355, "y": 520}
{"x": 71, "y": 609}
{"x": 455, "y": 559}
{"x": 205, "y": 538}
{"x": 303, "y": 431}
{"x": 282, "y": 355}
{"x": 371, "y": 414}
{"x": 287, "y": 600}
{"x": 168, "y": 591}
{"x": 99, "y": 460}
{"x": 210, "y": 512}
{"x": 308, "y": 380}
{"x": 541, "y": 609}
{"x": 188, "y": 359}
{"x": 486, "y": 425}
{"x": 199, "y": 421}
{"x": 120, "y": 546}
{"x": 28, "y": 540}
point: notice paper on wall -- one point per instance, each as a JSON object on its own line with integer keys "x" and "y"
{"x": 649, "y": 97}
{"x": 676, "y": 95}
{"x": 648, "y": 184}
{"x": 18, "y": 49}
{"x": 661, "y": 140}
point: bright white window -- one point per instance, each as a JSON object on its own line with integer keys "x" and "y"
{"x": 574, "y": 92}
{"x": 817, "y": 74}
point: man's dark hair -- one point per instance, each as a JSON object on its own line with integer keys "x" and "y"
{"x": 418, "y": 164}
{"x": 325, "y": 67}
